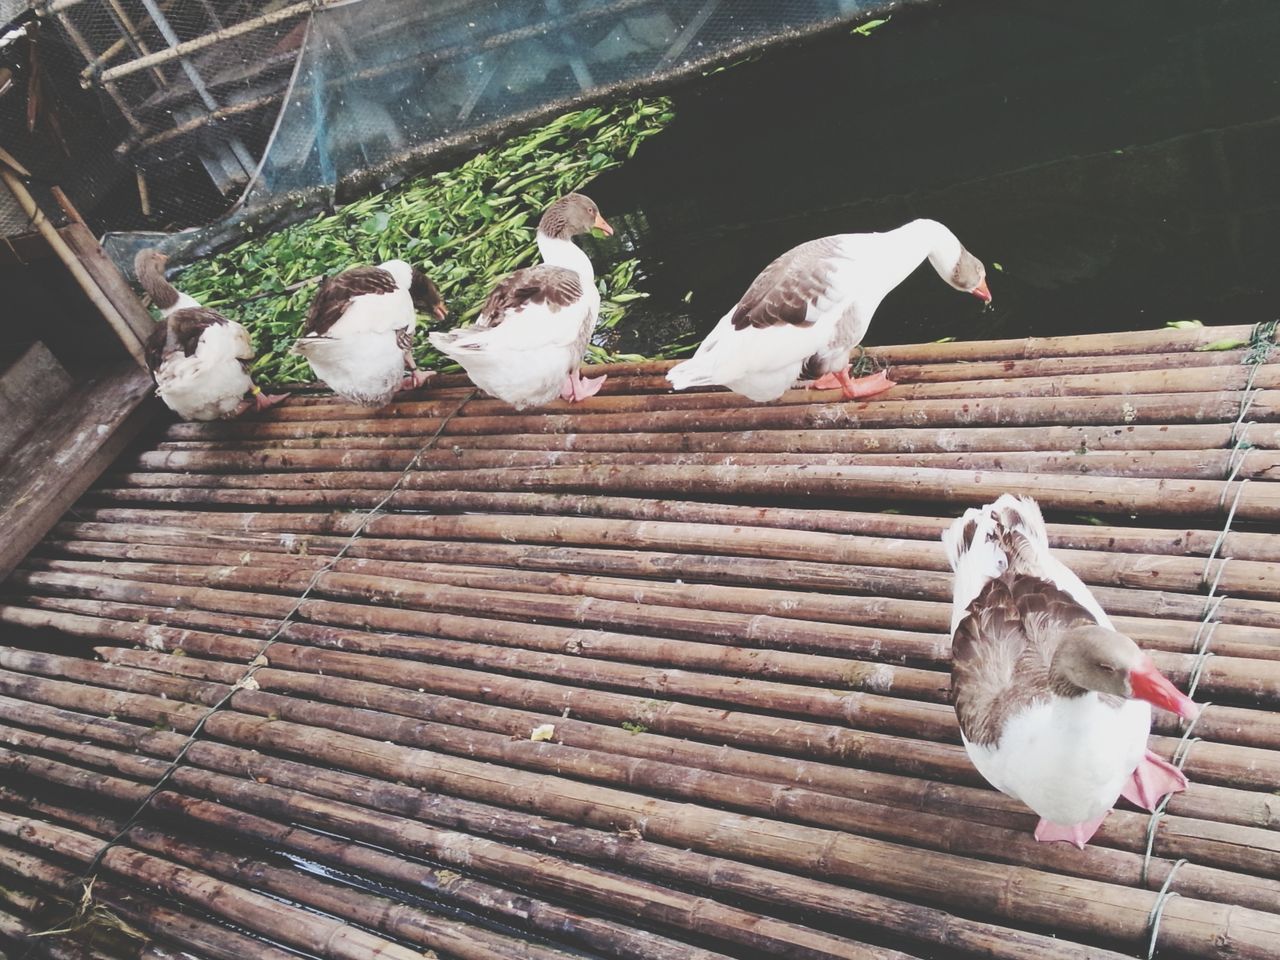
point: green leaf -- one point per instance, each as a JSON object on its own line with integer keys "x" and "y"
{"x": 1184, "y": 324}
{"x": 864, "y": 29}
{"x": 996, "y": 266}
{"x": 1229, "y": 344}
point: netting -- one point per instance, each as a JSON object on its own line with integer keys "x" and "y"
{"x": 187, "y": 114}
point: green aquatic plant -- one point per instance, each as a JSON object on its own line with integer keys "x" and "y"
{"x": 465, "y": 226}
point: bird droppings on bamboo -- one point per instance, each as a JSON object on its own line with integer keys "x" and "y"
{"x": 653, "y": 677}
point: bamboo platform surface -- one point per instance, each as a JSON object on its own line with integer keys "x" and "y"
{"x": 655, "y": 676}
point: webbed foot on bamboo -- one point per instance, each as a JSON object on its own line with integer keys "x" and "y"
{"x": 578, "y": 388}
{"x": 1153, "y": 779}
{"x": 1076, "y": 833}
{"x": 416, "y": 378}
{"x": 853, "y": 389}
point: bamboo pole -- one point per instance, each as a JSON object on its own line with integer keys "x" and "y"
{"x": 1153, "y": 586}
{"x": 1177, "y": 541}
{"x": 1215, "y": 407}
{"x": 78, "y": 273}
{"x": 1219, "y": 846}
{"x": 382, "y": 824}
{"x": 704, "y": 635}
{"x": 906, "y": 440}
{"x": 216, "y": 468}
{"x": 1228, "y": 639}
{"x": 1072, "y": 904}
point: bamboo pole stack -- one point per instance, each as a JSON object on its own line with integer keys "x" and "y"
{"x": 655, "y": 676}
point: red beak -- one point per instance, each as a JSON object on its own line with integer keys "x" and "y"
{"x": 603, "y": 224}
{"x": 1150, "y": 684}
{"x": 981, "y": 292}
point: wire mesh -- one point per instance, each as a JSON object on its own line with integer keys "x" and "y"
{"x": 184, "y": 112}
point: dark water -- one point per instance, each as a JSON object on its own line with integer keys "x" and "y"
{"x": 1120, "y": 160}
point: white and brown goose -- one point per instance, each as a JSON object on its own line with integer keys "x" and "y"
{"x": 1054, "y": 705}
{"x": 526, "y": 347}
{"x": 359, "y": 332}
{"x": 808, "y": 309}
{"x": 198, "y": 357}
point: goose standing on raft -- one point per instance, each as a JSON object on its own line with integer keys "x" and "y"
{"x": 358, "y": 336}
{"x": 526, "y": 347}
{"x": 1054, "y": 705}
{"x": 198, "y": 357}
{"x": 808, "y": 309}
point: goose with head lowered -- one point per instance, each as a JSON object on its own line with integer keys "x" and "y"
{"x": 808, "y": 309}
{"x": 1054, "y": 704}
{"x": 359, "y": 332}
{"x": 198, "y": 357}
{"x": 526, "y": 347}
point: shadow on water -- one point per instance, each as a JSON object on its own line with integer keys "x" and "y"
{"x": 1119, "y": 161}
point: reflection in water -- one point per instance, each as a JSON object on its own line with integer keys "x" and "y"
{"x": 1119, "y": 161}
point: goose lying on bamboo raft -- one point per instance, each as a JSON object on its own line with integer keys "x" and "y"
{"x": 808, "y": 309}
{"x": 1054, "y": 705}
{"x": 526, "y": 347}
{"x": 198, "y": 357}
{"x": 359, "y": 332}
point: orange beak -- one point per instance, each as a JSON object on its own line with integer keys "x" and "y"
{"x": 1150, "y": 684}
{"x": 440, "y": 310}
{"x": 603, "y": 224}
{"x": 981, "y": 292}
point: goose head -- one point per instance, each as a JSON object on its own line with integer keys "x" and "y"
{"x": 572, "y": 215}
{"x": 1095, "y": 658}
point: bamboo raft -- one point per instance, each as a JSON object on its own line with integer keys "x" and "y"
{"x": 330, "y": 644}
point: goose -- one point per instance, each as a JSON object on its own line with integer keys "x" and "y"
{"x": 1054, "y": 704}
{"x": 526, "y": 347}
{"x": 810, "y": 307}
{"x": 197, "y": 356}
{"x": 358, "y": 336}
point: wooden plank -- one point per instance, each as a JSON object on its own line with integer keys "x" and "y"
{"x": 109, "y": 279}
{"x": 59, "y": 462}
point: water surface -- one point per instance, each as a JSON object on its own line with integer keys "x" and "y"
{"x": 1120, "y": 161}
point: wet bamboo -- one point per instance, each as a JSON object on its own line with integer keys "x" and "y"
{"x": 1233, "y": 848}
{"x": 1228, "y": 640}
{"x": 277, "y": 469}
{"x": 1178, "y": 541}
{"x": 401, "y": 921}
{"x": 313, "y": 932}
{"x": 1072, "y": 904}
{"x": 203, "y": 938}
{"x": 699, "y": 916}
{"x": 379, "y": 822}
{"x": 1221, "y": 406}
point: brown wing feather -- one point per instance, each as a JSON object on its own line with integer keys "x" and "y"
{"x": 786, "y": 288}
{"x": 1001, "y": 651}
{"x": 555, "y": 287}
{"x": 180, "y": 332}
{"x": 336, "y": 293}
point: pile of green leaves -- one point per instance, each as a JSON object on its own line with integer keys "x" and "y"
{"x": 466, "y": 227}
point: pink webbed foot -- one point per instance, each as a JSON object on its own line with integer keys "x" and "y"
{"x": 415, "y": 379}
{"x": 578, "y": 388}
{"x": 1077, "y": 833}
{"x": 1151, "y": 781}
{"x": 265, "y": 401}
{"x": 852, "y": 389}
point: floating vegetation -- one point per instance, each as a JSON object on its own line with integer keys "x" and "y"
{"x": 466, "y": 227}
